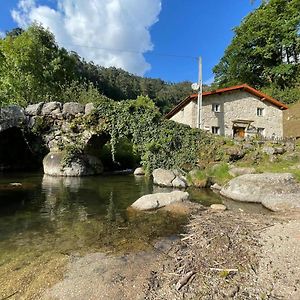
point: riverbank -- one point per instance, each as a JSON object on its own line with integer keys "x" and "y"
{"x": 231, "y": 255}
{"x": 221, "y": 255}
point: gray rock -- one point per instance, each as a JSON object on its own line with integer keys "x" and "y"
{"x": 163, "y": 177}
{"x": 155, "y": 201}
{"x": 262, "y": 188}
{"x": 51, "y": 108}
{"x": 216, "y": 187}
{"x": 139, "y": 171}
{"x": 235, "y": 171}
{"x": 279, "y": 150}
{"x": 89, "y": 107}
{"x": 282, "y": 202}
{"x": 82, "y": 166}
{"x": 72, "y": 109}
{"x": 11, "y": 116}
{"x": 251, "y": 187}
{"x": 179, "y": 183}
{"x": 235, "y": 153}
{"x": 34, "y": 109}
{"x": 290, "y": 145}
{"x": 268, "y": 150}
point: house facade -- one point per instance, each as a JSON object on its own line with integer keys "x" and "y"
{"x": 235, "y": 111}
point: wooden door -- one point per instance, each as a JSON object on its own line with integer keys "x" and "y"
{"x": 239, "y": 132}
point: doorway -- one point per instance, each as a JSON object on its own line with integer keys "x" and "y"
{"x": 239, "y": 132}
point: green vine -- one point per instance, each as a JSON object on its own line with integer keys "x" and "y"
{"x": 160, "y": 142}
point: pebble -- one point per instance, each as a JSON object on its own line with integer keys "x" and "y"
{"x": 220, "y": 207}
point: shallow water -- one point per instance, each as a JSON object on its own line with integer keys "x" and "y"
{"x": 45, "y": 221}
{"x": 70, "y": 214}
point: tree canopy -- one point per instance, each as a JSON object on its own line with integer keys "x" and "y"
{"x": 34, "y": 68}
{"x": 265, "y": 50}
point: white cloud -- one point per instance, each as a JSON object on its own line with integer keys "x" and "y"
{"x": 2, "y": 34}
{"x": 105, "y": 24}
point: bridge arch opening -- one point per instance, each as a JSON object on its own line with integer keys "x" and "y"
{"x": 15, "y": 153}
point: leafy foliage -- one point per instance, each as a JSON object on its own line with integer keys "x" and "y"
{"x": 33, "y": 68}
{"x": 265, "y": 51}
{"x": 160, "y": 142}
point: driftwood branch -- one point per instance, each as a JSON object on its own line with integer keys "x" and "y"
{"x": 9, "y": 296}
{"x": 184, "y": 280}
{"x": 224, "y": 270}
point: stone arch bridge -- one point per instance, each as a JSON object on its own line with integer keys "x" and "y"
{"x": 65, "y": 137}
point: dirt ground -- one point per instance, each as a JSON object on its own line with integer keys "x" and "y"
{"x": 221, "y": 255}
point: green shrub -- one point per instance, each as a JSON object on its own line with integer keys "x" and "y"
{"x": 219, "y": 173}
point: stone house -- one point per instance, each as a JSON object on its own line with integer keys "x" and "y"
{"x": 235, "y": 111}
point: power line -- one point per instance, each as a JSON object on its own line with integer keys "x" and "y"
{"x": 136, "y": 52}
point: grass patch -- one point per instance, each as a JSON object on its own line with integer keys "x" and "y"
{"x": 219, "y": 173}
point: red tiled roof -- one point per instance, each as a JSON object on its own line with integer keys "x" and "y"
{"x": 244, "y": 87}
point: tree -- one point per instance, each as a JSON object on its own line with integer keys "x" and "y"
{"x": 265, "y": 50}
{"x": 32, "y": 67}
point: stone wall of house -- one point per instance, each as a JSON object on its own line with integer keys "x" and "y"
{"x": 188, "y": 115}
{"x": 235, "y": 105}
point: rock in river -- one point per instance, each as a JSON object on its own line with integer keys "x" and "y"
{"x": 139, "y": 171}
{"x": 83, "y": 165}
{"x": 155, "y": 201}
{"x": 276, "y": 191}
{"x": 163, "y": 177}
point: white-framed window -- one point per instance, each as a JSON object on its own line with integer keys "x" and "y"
{"x": 216, "y": 107}
{"x": 261, "y": 131}
{"x": 215, "y": 130}
{"x": 260, "y": 111}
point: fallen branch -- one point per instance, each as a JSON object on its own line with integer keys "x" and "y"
{"x": 224, "y": 270}
{"x": 9, "y": 296}
{"x": 184, "y": 280}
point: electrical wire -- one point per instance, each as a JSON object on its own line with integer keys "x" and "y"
{"x": 135, "y": 52}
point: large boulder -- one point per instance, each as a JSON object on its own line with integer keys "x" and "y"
{"x": 155, "y": 201}
{"x": 11, "y": 116}
{"x": 163, "y": 177}
{"x": 276, "y": 191}
{"x": 83, "y": 165}
{"x": 282, "y": 202}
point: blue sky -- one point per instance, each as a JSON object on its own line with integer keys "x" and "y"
{"x": 99, "y": 29}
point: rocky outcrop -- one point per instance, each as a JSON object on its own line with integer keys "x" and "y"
{"x": 155, "y": 201}
{"x": 55, "y": 164}
{"x": 168, "y": 178}
{"x": 276, "y": 191}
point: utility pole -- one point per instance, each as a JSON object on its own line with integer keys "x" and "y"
{"x": 199, "y": 102}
